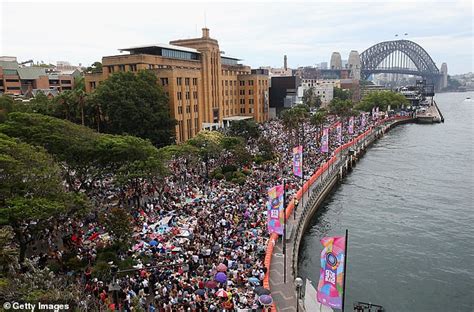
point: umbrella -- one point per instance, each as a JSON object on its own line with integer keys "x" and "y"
{"x": 221, "y": 277}
{"x": 221, "y": 293}
{"x": 254, "y": 281}
{"x": 211, "y": 284}
{"x": 222, "y": 267}
{"x": 200, "y": 292}
{"x": 261, "y": 291}
{"x": 153, "y": 243}
{"x": 265, "y": 300}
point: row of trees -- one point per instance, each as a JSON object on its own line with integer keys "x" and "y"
{"x": 126, "y": 103}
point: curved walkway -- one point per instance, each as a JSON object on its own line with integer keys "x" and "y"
{"x": 312, "y": 193}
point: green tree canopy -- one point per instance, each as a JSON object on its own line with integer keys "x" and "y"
{"x": 382, "y": 99}
{"x": 340, "y": 107}
{"x": 135, "y": 104}
{"x": 311, "y": 99}
{"x": 31, "y": 191}
{"x": 342, "y": 94}
{"x": 244, "y": 128}
{"x": 85, "y": 154}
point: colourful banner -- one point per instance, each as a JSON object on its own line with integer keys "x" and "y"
{"x": 298, "y": 161}
{"x": 339, "y": 132}
{"x": 373, "y": 113}
{"x": 363, "y": 122}
{"x": 275, "y": 210}
{"x": 331, "y": 278}
{"x": 325, "y": 141}
{"x": 351, "y": 125}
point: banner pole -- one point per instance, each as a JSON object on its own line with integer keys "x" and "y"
{"x": 345, "y": 271}
{"x": 284, "y": 230}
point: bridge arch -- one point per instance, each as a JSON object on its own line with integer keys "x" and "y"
{"x": 373, "y": 57}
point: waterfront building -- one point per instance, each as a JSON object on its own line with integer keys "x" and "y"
{"x": 283, "y": 93}
{"x": 17, "y": 79}
{"x": 206, "y": 88}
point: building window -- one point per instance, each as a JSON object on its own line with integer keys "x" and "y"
{"x": 242, "y": 101}
{"x": 186, "y": 81}
{"x": 195, "y": 108}
{"x": 250, "y": 92}
{"x": 13, "y": 80}
{"x": 92, "y": 84}
{"x": 242, "y": 110}
{"x": 242, "y": 83}
{"x": 180, "y": 110}
{"x": 13, "y": 88}
{"x": 121, "y": 67}
{"x": 180, "y": 96}
{"x": 187, "y": 95}
{"x": 188, "y": 109}
{"x": 151, "y": 66}
{"x": 164, "y": 81}
{"x": 250, "y": 82}
{"x": 65, "y": 81}
{"x": 178, "y": 81}
{"x": 133, "y": 67}
{"x": 250, "y": 101}
{"x": 195, "y": 81}
{"x": 195, "y": 95}
{"x": 111, "y": 69}
{"x": 242, "y": 92}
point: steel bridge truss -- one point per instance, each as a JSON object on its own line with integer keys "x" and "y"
{"x": 398, "y": 57}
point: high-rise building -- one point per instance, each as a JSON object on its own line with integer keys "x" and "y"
{"x": 444, "y": 72}
{"x": 206, "y": 89}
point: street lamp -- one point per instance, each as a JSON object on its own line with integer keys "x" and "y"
{"x": 299, "y": 285}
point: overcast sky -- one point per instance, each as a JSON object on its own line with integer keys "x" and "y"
{"x": 259, "y": 32}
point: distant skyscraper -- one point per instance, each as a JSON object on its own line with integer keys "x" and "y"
{"x": 354, "y": 64}
{"x": 285, "y": 63}
{"x": 336, "y": 62}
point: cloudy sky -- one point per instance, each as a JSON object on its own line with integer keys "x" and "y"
{"x": 259, "y": 32}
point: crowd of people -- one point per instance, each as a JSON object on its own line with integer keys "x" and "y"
{"x": 199, "y": 244}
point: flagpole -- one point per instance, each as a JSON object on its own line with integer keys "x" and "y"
{"x": 284, "y": 230}
{"x": 345, "y": 271}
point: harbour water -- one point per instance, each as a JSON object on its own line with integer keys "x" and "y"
{"x": 409, "y": 209}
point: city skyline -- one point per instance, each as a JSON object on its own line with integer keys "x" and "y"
{"x": 258, "y": 33}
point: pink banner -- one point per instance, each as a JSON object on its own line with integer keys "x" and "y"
{"x": 298, "y": 161}
{"x": 331, "y": 277}
{"x": 351, "y": 125}
{"x": 339, "y": 132}
{"x": 325, "y": 141}
{"x": 275, "y": 210}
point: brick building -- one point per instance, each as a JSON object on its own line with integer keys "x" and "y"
{"x": 206, "y": 89}
{"x": 16, "y": 79}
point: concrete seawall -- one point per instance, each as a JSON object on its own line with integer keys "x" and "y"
{"x": 312, "y": 194}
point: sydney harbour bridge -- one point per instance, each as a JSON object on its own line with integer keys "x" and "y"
{"x": 402, "y": 57}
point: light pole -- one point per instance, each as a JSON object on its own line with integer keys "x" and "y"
{"x": 299, "y": 285}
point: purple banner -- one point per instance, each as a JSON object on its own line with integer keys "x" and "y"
{"x": 275, "y": 210}
{"x": 351, "y": 125}
{"x": 325, "y": 141}
{"x": 331, "y": 277}
{"x": 339, "y": 132}
{"x": 298, "y": 161}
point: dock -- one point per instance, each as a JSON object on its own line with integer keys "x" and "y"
{"x": 429, "y": 114}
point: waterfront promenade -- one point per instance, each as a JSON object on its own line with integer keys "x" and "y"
{"x": 310, "y": 197}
